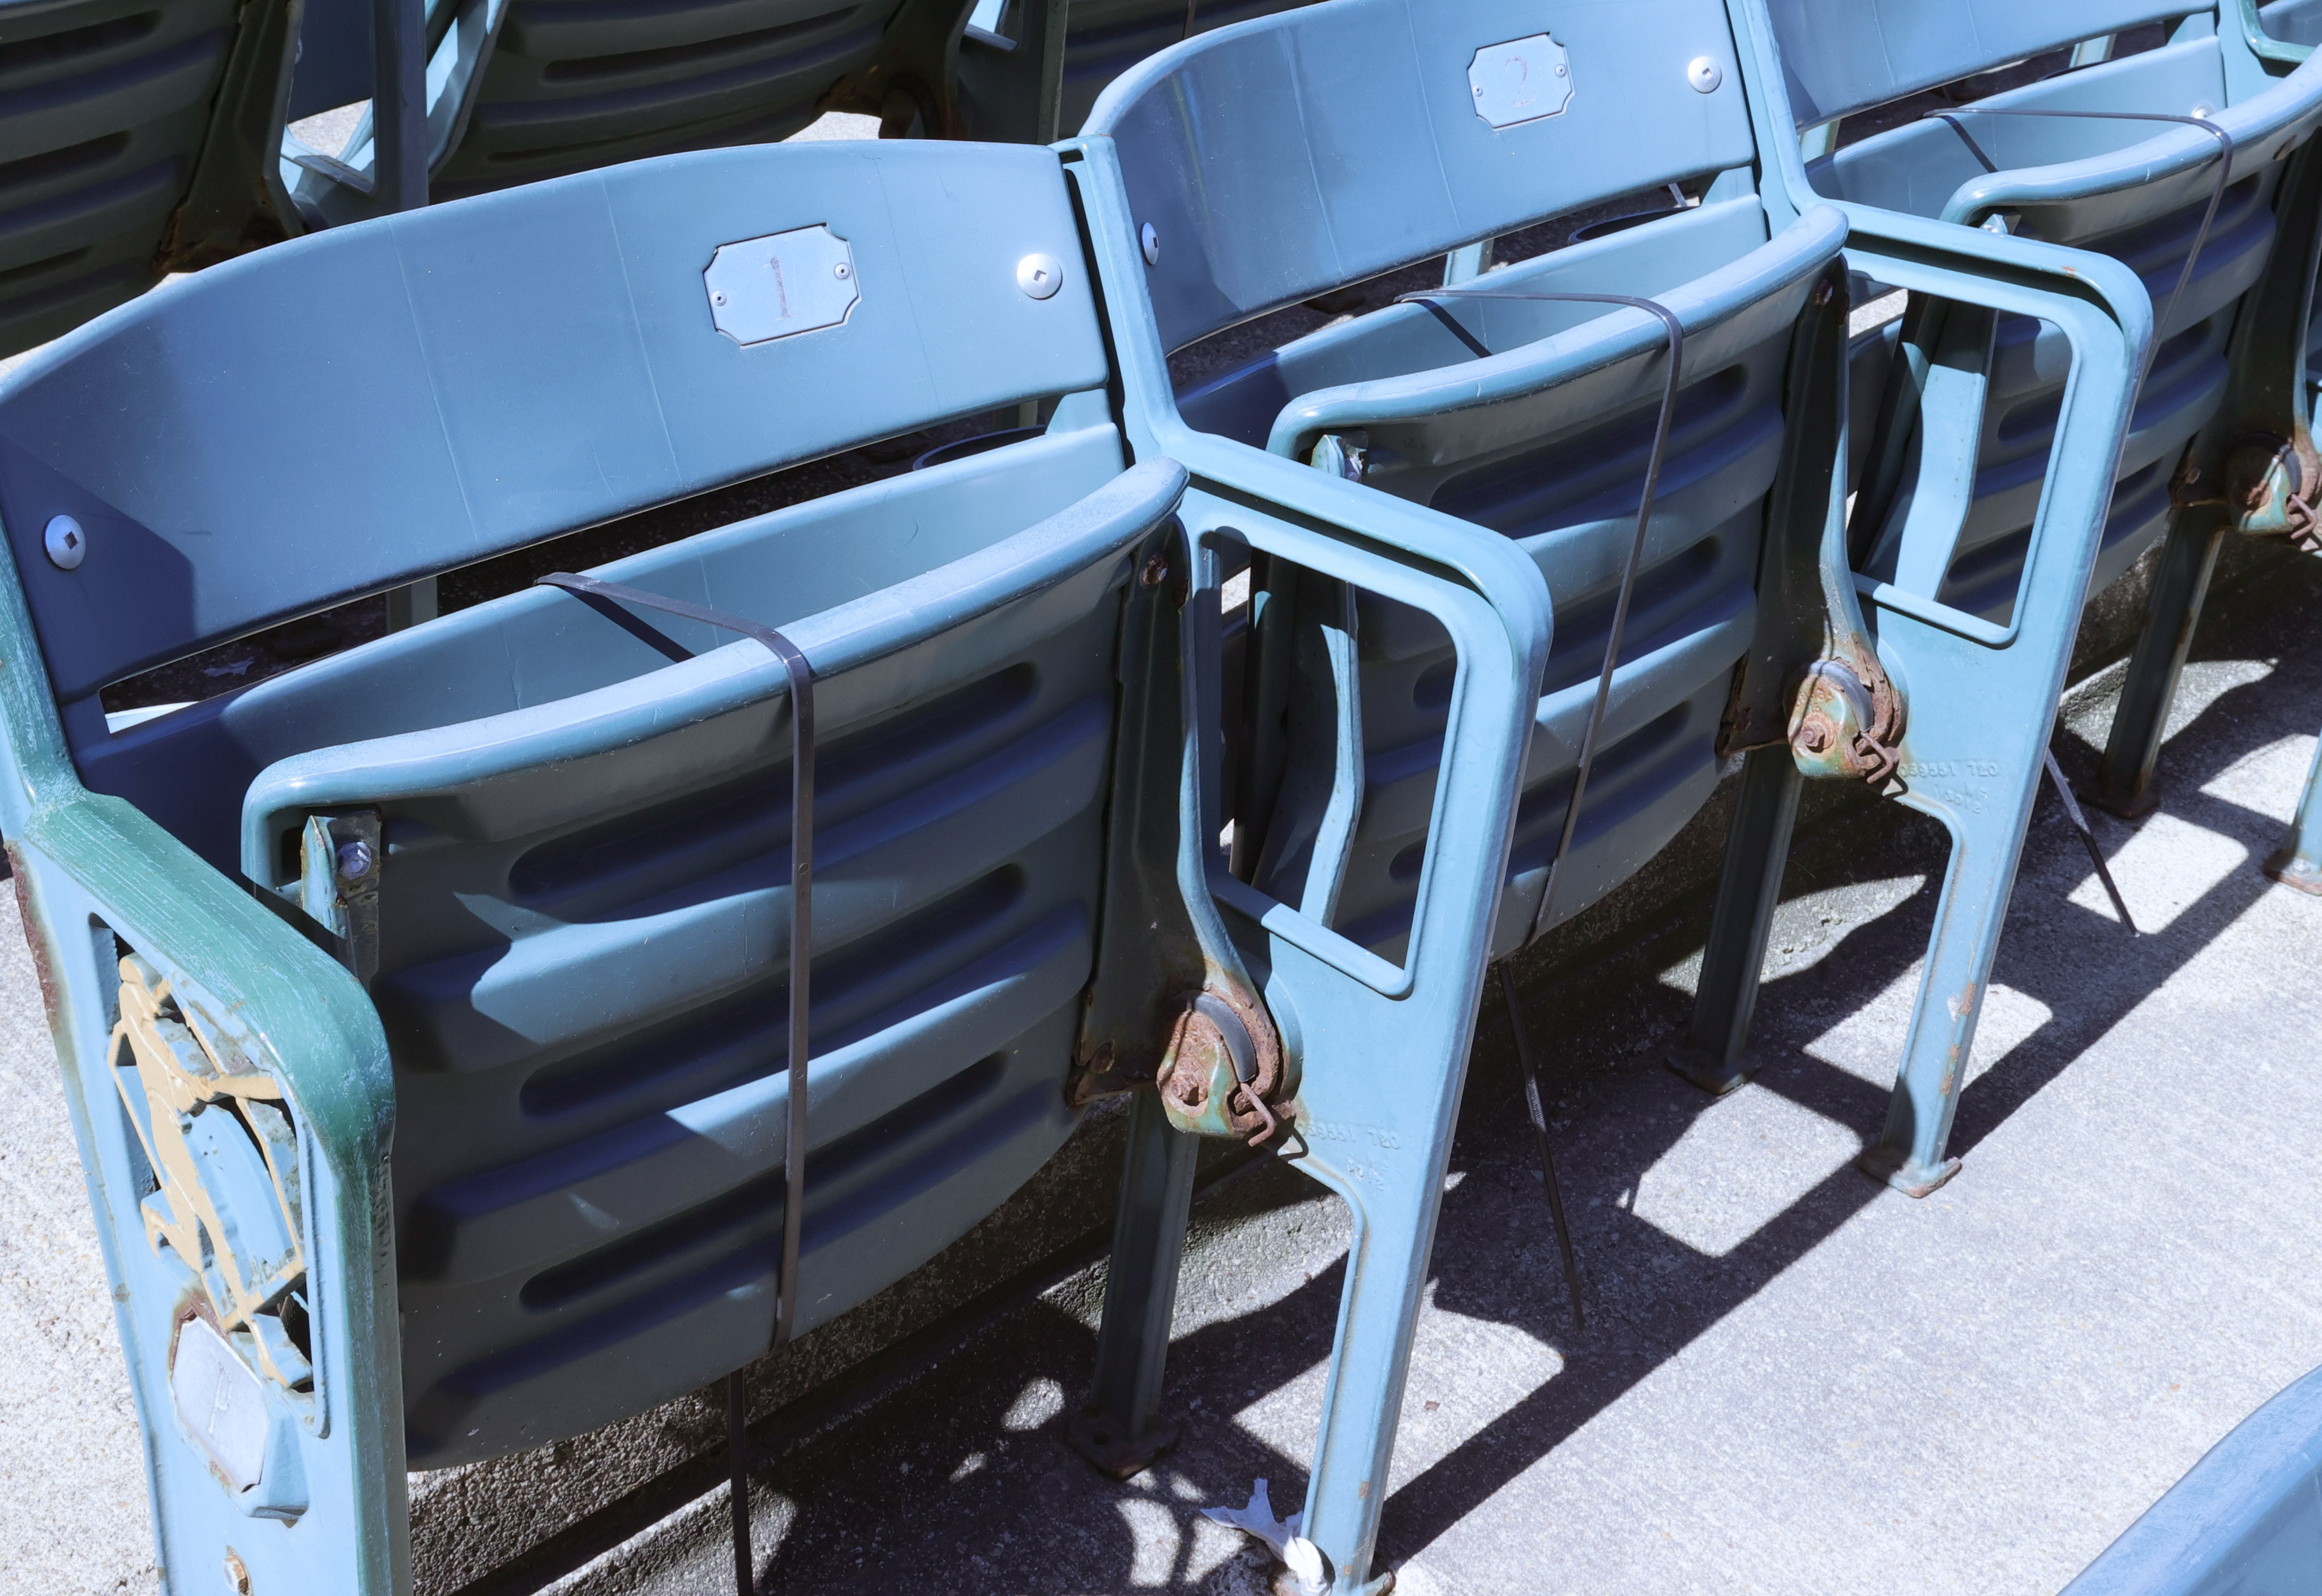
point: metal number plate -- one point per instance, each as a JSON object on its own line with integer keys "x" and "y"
{"x": 221, "y": 1402}
{"x": 1521, "y": 80}
{"x": 784, "y": 283}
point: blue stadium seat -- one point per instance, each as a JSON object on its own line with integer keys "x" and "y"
{"x": 132, "y": 134}
{"x": 1262, "y": 164}
{"x": 2247, "y": 1520}
{"x": 519, "y": 90}
{"x": 2190, "y": 165}
{"x": 521, "y": 890}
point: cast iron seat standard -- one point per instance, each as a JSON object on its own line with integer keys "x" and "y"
{"x": 2132, "y": 189}
{"x": 1242, "y": 171}
{"x": 130, "y": 138}
{"x": 512, "y": 889}
{"x": 2247, "y": 1520}
{"x": 1985, "y": 386}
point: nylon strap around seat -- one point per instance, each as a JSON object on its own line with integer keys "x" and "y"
{"x": 2217, "y": 195}
{"x": 1534, "y": 1107}
{"x": 1539, "y": 920}
{"x": 607, "y": 598}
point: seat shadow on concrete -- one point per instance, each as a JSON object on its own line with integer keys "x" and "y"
{"x": 962, "y": 1482}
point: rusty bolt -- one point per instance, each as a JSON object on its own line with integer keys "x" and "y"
{"x": 1155, "y": 571}
{"x": 1814, "y": 737}
{"x": 2192, "y": 475}
{"x": 237, "y": 1574}
{"x": 1821, "y": 293}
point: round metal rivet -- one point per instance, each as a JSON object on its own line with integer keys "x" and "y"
{"x": 1562, "y": 70}
{"x": 1479, "y": 91}
{"x": 67, "y": 544}
{"x": 354, "y": 859}
{"x": 2205, "y": 112}
{"x": 1152, "y": 241}
{"x": 1704, "y": 74}
{"x": 1040, "y": 276}
{"x": 843, "y": 271}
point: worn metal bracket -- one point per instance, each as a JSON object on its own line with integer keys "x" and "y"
{"x": 1813, "y": 678}
{"x": 339, "y": 861}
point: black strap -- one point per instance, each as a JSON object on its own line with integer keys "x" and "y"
{"x": 2152, "y": 349}
{"x": 607, "y": 600}
{"x": 1539, "y": 920}
{"x": 1535, "y": 1107}
{"x": 1537, "y": 1111}
{"x": 2088, "y": 837}
{"x": 2217, "y": 195}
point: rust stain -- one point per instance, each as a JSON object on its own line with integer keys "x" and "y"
{"x": 43, "y": 969}
{"x": 1962, "y": 1005}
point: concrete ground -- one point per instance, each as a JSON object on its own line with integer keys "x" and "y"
{"x": 1791, "y": 1379}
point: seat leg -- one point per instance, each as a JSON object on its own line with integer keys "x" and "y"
{"x": 2124, "y": 783}
{"x": 2299, "y": 862}
{"x": 1909, "y": 1155}
{"x": 1121, "y": 1430}
{"x": 1394, "y": 1207}
{"x": 1712, "y": 1053}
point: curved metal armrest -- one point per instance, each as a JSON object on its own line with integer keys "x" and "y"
{"x": 2261, "y": 126}
{"x": 2263, "y": 44}
{"x": 1103, "y": 524}
{"x": 319, "y": 1033}
{"x": 1495, "y": 568}
{"x": 2107, "y": 320}
{"x": 1781, "y": 270}
{"x": 311, "y": 1025}
{"x": 1490, "y": 597}
{"x": 2009, "y": 263}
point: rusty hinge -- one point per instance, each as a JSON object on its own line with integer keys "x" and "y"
{"x": 1223, "y": 1072}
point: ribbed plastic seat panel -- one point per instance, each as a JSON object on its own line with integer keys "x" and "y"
{"x": 581, "y": 974}
{"x": 102, "y": 107}
{"x": 574, "y": 83}
{"x": 1568, "y": 493}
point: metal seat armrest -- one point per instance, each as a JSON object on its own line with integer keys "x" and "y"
{"x": 2260, "y": 126}
{"x": 2263, "y": 44}
{"x": 1495, "y": 568}
{"x": 88, "y": 868}
{"x": 2021, "y": 263}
